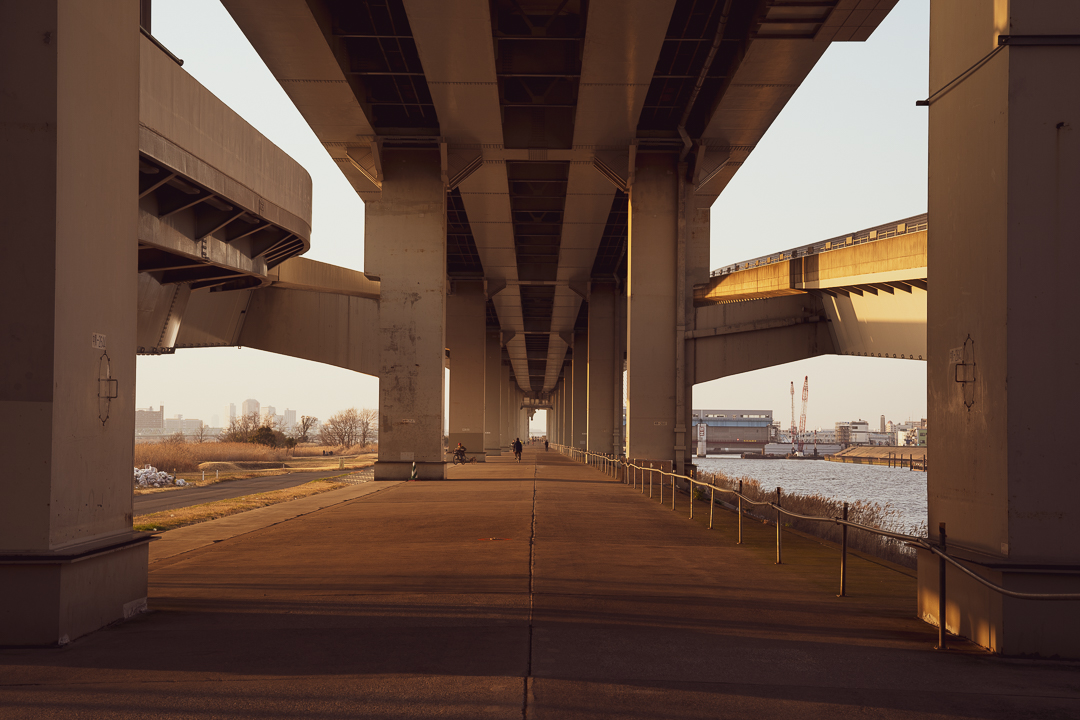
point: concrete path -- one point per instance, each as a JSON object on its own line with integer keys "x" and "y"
{"x": 536, "y": 590}
{"x": 188, "y": 496}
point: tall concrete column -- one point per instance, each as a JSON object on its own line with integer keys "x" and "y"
{"x": 601, "y": 387}
{"x": 1001, "y": 376}
{"x": 651, "y": 312}
{"x": 568, "y": 404}
{"x": 70, "y": 147}
{"x": 618, "y": 382}
{"x": 406, "y": 247}
{"x": 581, "y": 390}
{"x": 466, "y": 337}
{"x": 505, "y": 389}
{"x": 492, "y": 397}
{"x": 556, "y": 412}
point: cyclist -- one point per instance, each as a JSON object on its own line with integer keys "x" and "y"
{"x": 459, "y": 454}
{"x": 517, "y": 449}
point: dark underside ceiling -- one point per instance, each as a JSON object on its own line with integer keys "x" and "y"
{"x": 538, "y": 47}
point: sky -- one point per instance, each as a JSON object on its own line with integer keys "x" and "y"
{"x": 849, "y": 151}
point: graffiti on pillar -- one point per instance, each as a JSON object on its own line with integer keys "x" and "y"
{"x": 108, "y": 386}
{"x": 963, "y": 361}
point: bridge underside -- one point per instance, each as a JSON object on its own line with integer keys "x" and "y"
{"x": 538, "y": 177}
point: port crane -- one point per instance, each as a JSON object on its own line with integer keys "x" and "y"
{"x": 794, "y": 430}
{"x": 802, "y": 419}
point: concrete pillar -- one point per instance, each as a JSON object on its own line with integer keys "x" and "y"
{"x": 556, "y": 412}
{"x": 1004, "y": 179}
{"x": 466, "y": 337}
{"x": 523, "y": 419}
{"x": 618, "y": 382}
{"x": 505, "y": 388}
{"x": 601, "y": 387}
{"x": 568, "y": 404}
{"x": 581, "y": 390}
{"x": 651, "y": 312}
{"x": 70, "y": 147}
{"x": 492, "y": 396}
{"x": 406, "y": 247}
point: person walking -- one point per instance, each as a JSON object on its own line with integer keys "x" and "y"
{"x": 517, "y": 449}
{"x": 545, "y": 444}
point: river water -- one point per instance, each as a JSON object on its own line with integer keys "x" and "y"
{"x": 903, "y": 489}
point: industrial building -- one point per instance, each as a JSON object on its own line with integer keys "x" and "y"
{"x": 721, "y": 431}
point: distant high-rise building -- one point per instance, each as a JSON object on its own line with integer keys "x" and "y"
{"x": 290, "y": 418}
{"x": 229, "y": 414}
{"x": 882, "y": 423}
{"x": 249, "y": 406}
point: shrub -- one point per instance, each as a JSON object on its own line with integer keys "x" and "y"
{"x": 186, "y": 457}
{"x": 871, "y": 514}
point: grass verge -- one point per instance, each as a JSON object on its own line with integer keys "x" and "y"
{"x": 220, "y": 472}
{"x": 180, "y": 517}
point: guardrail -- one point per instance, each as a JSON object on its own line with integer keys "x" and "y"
{"x": 634, "y": 475}
{"x": 914, "y": 224}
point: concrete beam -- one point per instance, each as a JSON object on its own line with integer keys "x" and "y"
{"x": 740, "y": 337}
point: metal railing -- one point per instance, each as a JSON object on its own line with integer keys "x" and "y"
{"x": 881, "y": 232}
{"x": 634, "y": 475}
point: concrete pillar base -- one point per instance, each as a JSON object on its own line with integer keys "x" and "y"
{"x": 59, "y": 596}
{"x": 1035, "y": 628}
{"x": 402, "y": 470}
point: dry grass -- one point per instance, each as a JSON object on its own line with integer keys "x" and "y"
{"x": 883, "y": 517}
{"x": 186, "y": 457}
{"x": 172, "y": 519}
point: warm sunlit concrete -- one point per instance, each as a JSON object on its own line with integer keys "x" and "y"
{"x": 69, "y": 561}
{"x": 407, "y": 251}
{"x": 1002, "y": 356}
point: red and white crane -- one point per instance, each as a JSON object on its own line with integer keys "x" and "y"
{"x": 802, "y": 419}
{"x": 794, "y": 429}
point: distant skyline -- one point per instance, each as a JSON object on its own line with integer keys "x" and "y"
{"x": 848, "y": 152}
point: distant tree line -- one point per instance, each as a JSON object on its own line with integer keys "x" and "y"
{"x": 343, "y": 429}
{"x": 350, "y": 427}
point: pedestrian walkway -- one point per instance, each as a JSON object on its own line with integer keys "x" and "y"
{"x": 542, "y": 589}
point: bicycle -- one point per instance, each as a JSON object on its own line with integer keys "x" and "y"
{"x": 459, "y": 457}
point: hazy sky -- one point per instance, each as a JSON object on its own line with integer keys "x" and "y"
{"x": 848, "y": 152}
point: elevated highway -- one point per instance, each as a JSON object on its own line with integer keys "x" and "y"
{"x": 861, "y": 294}
{"x": 538, "y": 176}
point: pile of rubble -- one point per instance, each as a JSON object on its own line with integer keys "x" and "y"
{"x": 149, "y": 476}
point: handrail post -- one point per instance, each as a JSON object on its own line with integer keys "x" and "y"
{"x": 712, "y": 502}
{"x": 941, "y": 590}
{"x": 691, "y": 500}
{"x": 740, "y": 514}
{"x": 779, "y": 530}
{"x": 674, "y": 488}
{"x": 650, "y": 485}
{"x": 843, "y": 555}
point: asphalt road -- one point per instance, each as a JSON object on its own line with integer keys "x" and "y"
{"x": 185, "y": 497}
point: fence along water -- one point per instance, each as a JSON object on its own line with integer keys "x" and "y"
{"x": 633, "y": 474}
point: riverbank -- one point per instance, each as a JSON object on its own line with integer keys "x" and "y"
{"x": 913, "y": 458}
